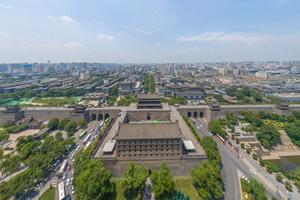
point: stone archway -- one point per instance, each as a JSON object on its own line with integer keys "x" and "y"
{"x": 195, "y": 115}
{"x": 201, "y": 114}
{"x": 100, "y": 117}
{"x": 106, "y": 116}
{"x": 189, "y": 114}
{"x": 93, "y": 117}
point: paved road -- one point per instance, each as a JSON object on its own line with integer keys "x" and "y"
{"x": 232, "y": 167}
{"x": 79, "y": 142}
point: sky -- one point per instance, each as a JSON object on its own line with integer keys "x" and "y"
{"x": 143, "y": 31}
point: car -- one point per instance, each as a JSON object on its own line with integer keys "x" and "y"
{"x": 92, "y": 129}
{"x": 119, "y": 114}
{"x": 73, "y": 189}
{"x": 78, "y": 147}
{"x": 69, "y": 167}
{"x": 201, "y": 125}
{"x": 210, "y": 134}
{"x": 68, "y": 197}
{"x": 71, "y": 178}
{"x": 68, "y": 182}
{"x": 65, "y": 175}
{"x": 72, "y": 157}
{"x": 56, "y": 168}
{"x": 56, "y": 163}
{"x": 198, "y": 127}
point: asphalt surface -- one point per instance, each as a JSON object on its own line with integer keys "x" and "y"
{"x": 68, "y": 188}
{"x": 232, "y": 168}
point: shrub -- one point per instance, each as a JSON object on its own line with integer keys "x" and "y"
{"x": 254, "y": 155}
{"x": 261, "y": 162}
{"x": 279, "y": 177}
{"x": 243, "y": 145}
{"x": 237, "y": 140}
{"x": 232, "y": 136}
{"x": 269, "y": 168}
{"x": 248, "y": 150}
{"x": 70, "y": 134}
{"x": 288, "y": 185}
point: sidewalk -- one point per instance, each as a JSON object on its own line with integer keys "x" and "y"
{"x": 148, "y": 193}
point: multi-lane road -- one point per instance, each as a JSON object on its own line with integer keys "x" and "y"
{"x": 233, "y": 168}
{"x": 79, "y": 142}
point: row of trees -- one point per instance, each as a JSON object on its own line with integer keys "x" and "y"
{"x": 127, "y": 100}
{"x": 67, "y": 124}
{"x": 175, "y": 100}
{"x": 152, "y": 84}
{"x": 37, "y": 161}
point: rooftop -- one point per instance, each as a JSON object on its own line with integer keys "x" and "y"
{"x": 148, "y": 131}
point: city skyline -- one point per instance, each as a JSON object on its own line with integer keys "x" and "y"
{"x": 149, "y": 32}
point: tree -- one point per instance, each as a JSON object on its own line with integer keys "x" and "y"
{"x": 217, "y": 128}
{"x": 261, "y": 162}
{"x": 4, "y": 136}
{"x": 53, "y": 123}
{"x": 269, "y": 168}
{"x": 243, "y": 145}
{"x": 96, "y": 176}
{"x": 232, "y": 136}
{"x": 163, "y": 181}
{"x": 58, "y": 136}
{"x": 1, "y": 153}
{"x": 296, "y": 177}
{"x": 248, "y": 150}
{"x": 254, "y": 155}
{"x": 70, "y": 126}
{"x": 237, "y": 140}
{"x": 82, "y": 123}
{"x": 134, "y": 179}
{"x": 279, "y": 177}
{"x": 63, "y": 122}
{"x": 208, "y": 180}
{"x": 288, "y": 185}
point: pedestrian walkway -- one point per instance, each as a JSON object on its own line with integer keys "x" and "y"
{"x": 148, "y": 193}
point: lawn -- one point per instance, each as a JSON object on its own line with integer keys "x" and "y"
{"x": 48, "y": 194}
{"x": 54, "y": 102}
{"x": 184, "y": 184}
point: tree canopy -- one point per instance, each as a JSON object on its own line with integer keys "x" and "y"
{"x": 163, "y": 181}
{"x": 70, "y": 126}
{"x": 93, "y": 182}
{"x": 53, "y": 123}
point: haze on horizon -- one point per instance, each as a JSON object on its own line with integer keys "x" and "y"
{"x": 149, "y": 31}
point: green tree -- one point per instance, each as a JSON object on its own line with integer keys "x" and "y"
{"x": 243, "y": 145}
{"x": 4, "y": 136}
{"x": 163, "y": 181}
{"x": 288, "y": 185}
{"x": 53, "y": 123}
{"x": 261, "y": 162}
{"x": 59, "y": 136}
{"x": 70, "y": 126}
{"x": 134, "y": 179}
{"x": 237, "y": 140}
{"x": 217, "y": 128}
{"x": 232, "y": 136}
{"x": 1, "y": 153}
{"x": 208, "y": 180}
{"x": 279, "y": 177}
{"x": 63, "y": 122}
{"x": 96, "y": 176}
{"x": 82, "y": 123}
{"x": 248, "y": 150}
{"x": 296, "y": 177}
{"x": 254, "y": 155}
{"x": 269, "y": 168}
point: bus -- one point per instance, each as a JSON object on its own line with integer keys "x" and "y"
{"x": 235, "y": 152}
{"x": 62, "y": 168}
{"x": 61, "y": 191}
{"x": 87, "y": 139}
{"x": 221, "y": 139}
{"x": 107, "y": 119}
{"x": 156, "y": 122}
{"x": 83, "y": 134}
{"x": 71, "y": 147}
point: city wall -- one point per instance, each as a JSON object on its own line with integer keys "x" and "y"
{"x": 178, "y": 167}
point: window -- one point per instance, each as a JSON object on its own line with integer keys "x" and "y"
{"x": 162, "y": 154}
{"x": 124, "y": 155}
{"x": 156, "y": 154}
{"x": 134, "y": 142}
{"x": 151, "y": 142}
{"x": 129, "y": 142}
{"x": 150, "y": 145}
{"x": 172, "y": 154}
{"x": 145, "y": 142}
{"x": 156, "y": 141}
{"x": 178, "y": 154}
{"x": 167, "y": 155}
{"x": 167, "y": 142}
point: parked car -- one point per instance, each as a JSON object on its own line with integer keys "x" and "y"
{"x": 65, "y": 175}
{"x": 69, "y": 167}
{"x": 68, "y": 181}
{"x": 73, "y": 189}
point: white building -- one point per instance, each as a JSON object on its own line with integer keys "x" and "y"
{"x": 84, "y": 76}
{"x": 263, "y": 74}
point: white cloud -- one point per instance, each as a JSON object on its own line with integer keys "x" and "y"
{"x": 231, "y": 38}
{"x": 105, "y": 37}
{"x": 74, "y": 44}
{"x": 49, "y": 16}
{"x": 5, "y": 6}
{"x": 145, "y": 32}
{"x": 66, "y": 18}
{"x": 282, "y": 1}
{"x": 157, "y": 44}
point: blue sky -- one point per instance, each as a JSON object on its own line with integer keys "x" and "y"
{"x": 149, "y": 31}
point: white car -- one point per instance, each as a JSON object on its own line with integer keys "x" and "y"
{"x": 92, "y": 130}
{"x": 68, "y": 181}
{"x": 201, "y": 125}
{"x": 198, "y": 127}
{"x": 73, "y": 189}
{"x": 65, "y": 175}
{"x": 78, "y": 147}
